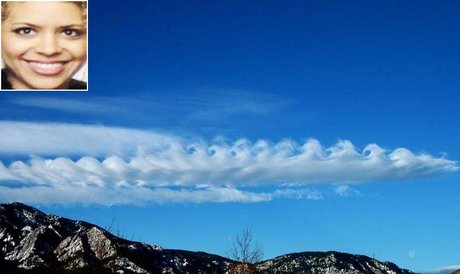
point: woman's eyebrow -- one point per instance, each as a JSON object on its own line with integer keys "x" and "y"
{"x": 37, "y": 26}
{"x": 27, "y": 24}
{"x": 73, "y": 26}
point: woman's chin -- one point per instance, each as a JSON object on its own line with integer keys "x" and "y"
{"x": 45, "y": 82}
{"x": 42, "y": 84}
{"x": 46, "y": 86}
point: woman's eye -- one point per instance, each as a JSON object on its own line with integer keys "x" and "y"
{"x": 25, "y": 31}
{"x": 71, "y": 32}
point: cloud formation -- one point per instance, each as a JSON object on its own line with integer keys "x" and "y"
{"x": 179, "y": 108}
{"x": 347, "y": 191}
{"x": 23, "y": 138}
{"x": 108, "y": 165}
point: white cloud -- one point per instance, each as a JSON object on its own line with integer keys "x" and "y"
{"x": 213, "y": 105}
{"x": 412, "y": 253}
{"x": 297, "y": 194}
{"x": 98, "y": 164}
{"x": 126, "y": 195}
{"x": 82, "y": 106}
{"x": 75, "y": 139}
{"x": 347, "y": 191}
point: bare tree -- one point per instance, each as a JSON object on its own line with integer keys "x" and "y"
{"x": 246, "y": 252}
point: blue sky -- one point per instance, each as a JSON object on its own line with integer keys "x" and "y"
{"x": 325, "y": 125}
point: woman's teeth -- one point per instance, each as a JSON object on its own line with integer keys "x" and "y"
{"x": 46, "y": 68}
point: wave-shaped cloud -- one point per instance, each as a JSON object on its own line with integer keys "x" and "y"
{"x": 97, "y": 164}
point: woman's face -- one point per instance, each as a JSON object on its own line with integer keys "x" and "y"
{"x": 43, "y": 43}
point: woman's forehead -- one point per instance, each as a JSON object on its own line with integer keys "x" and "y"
{"x": 38, "y": 13}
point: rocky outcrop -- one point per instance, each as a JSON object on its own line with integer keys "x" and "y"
{"x": 327, "y": 262}
{"x": 31, "y": 241}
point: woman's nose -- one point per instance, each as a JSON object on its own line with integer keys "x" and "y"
{"x": 48, "y": 45}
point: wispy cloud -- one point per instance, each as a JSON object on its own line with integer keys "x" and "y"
{"x": 93, "y": 106}
{"x": 347, "y": 191}
{"x": 119, "y": 165}
{"x": 74, "y": 139}
{"x": 210, "y": 106}
{"x": 127, "y": 195}
{"x": 298, "y": 194}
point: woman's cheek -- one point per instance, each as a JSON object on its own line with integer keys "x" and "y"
{"x": 15, "y": 47}
{"x": 77, "y": 48}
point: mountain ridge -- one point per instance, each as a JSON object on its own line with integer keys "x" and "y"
{"x": 34, "y": 242}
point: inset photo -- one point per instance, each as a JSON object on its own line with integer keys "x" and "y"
{"x": 44, "y": 45}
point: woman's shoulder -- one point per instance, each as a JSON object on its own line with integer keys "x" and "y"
{"x": 5, "y": 83}
{"x": 73, "y": 84}
{"x": 76, "y": 84}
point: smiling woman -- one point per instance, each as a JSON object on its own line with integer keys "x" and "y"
{"x": 43, "y": 44}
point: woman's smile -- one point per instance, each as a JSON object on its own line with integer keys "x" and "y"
{"x": 46, "y": 68}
